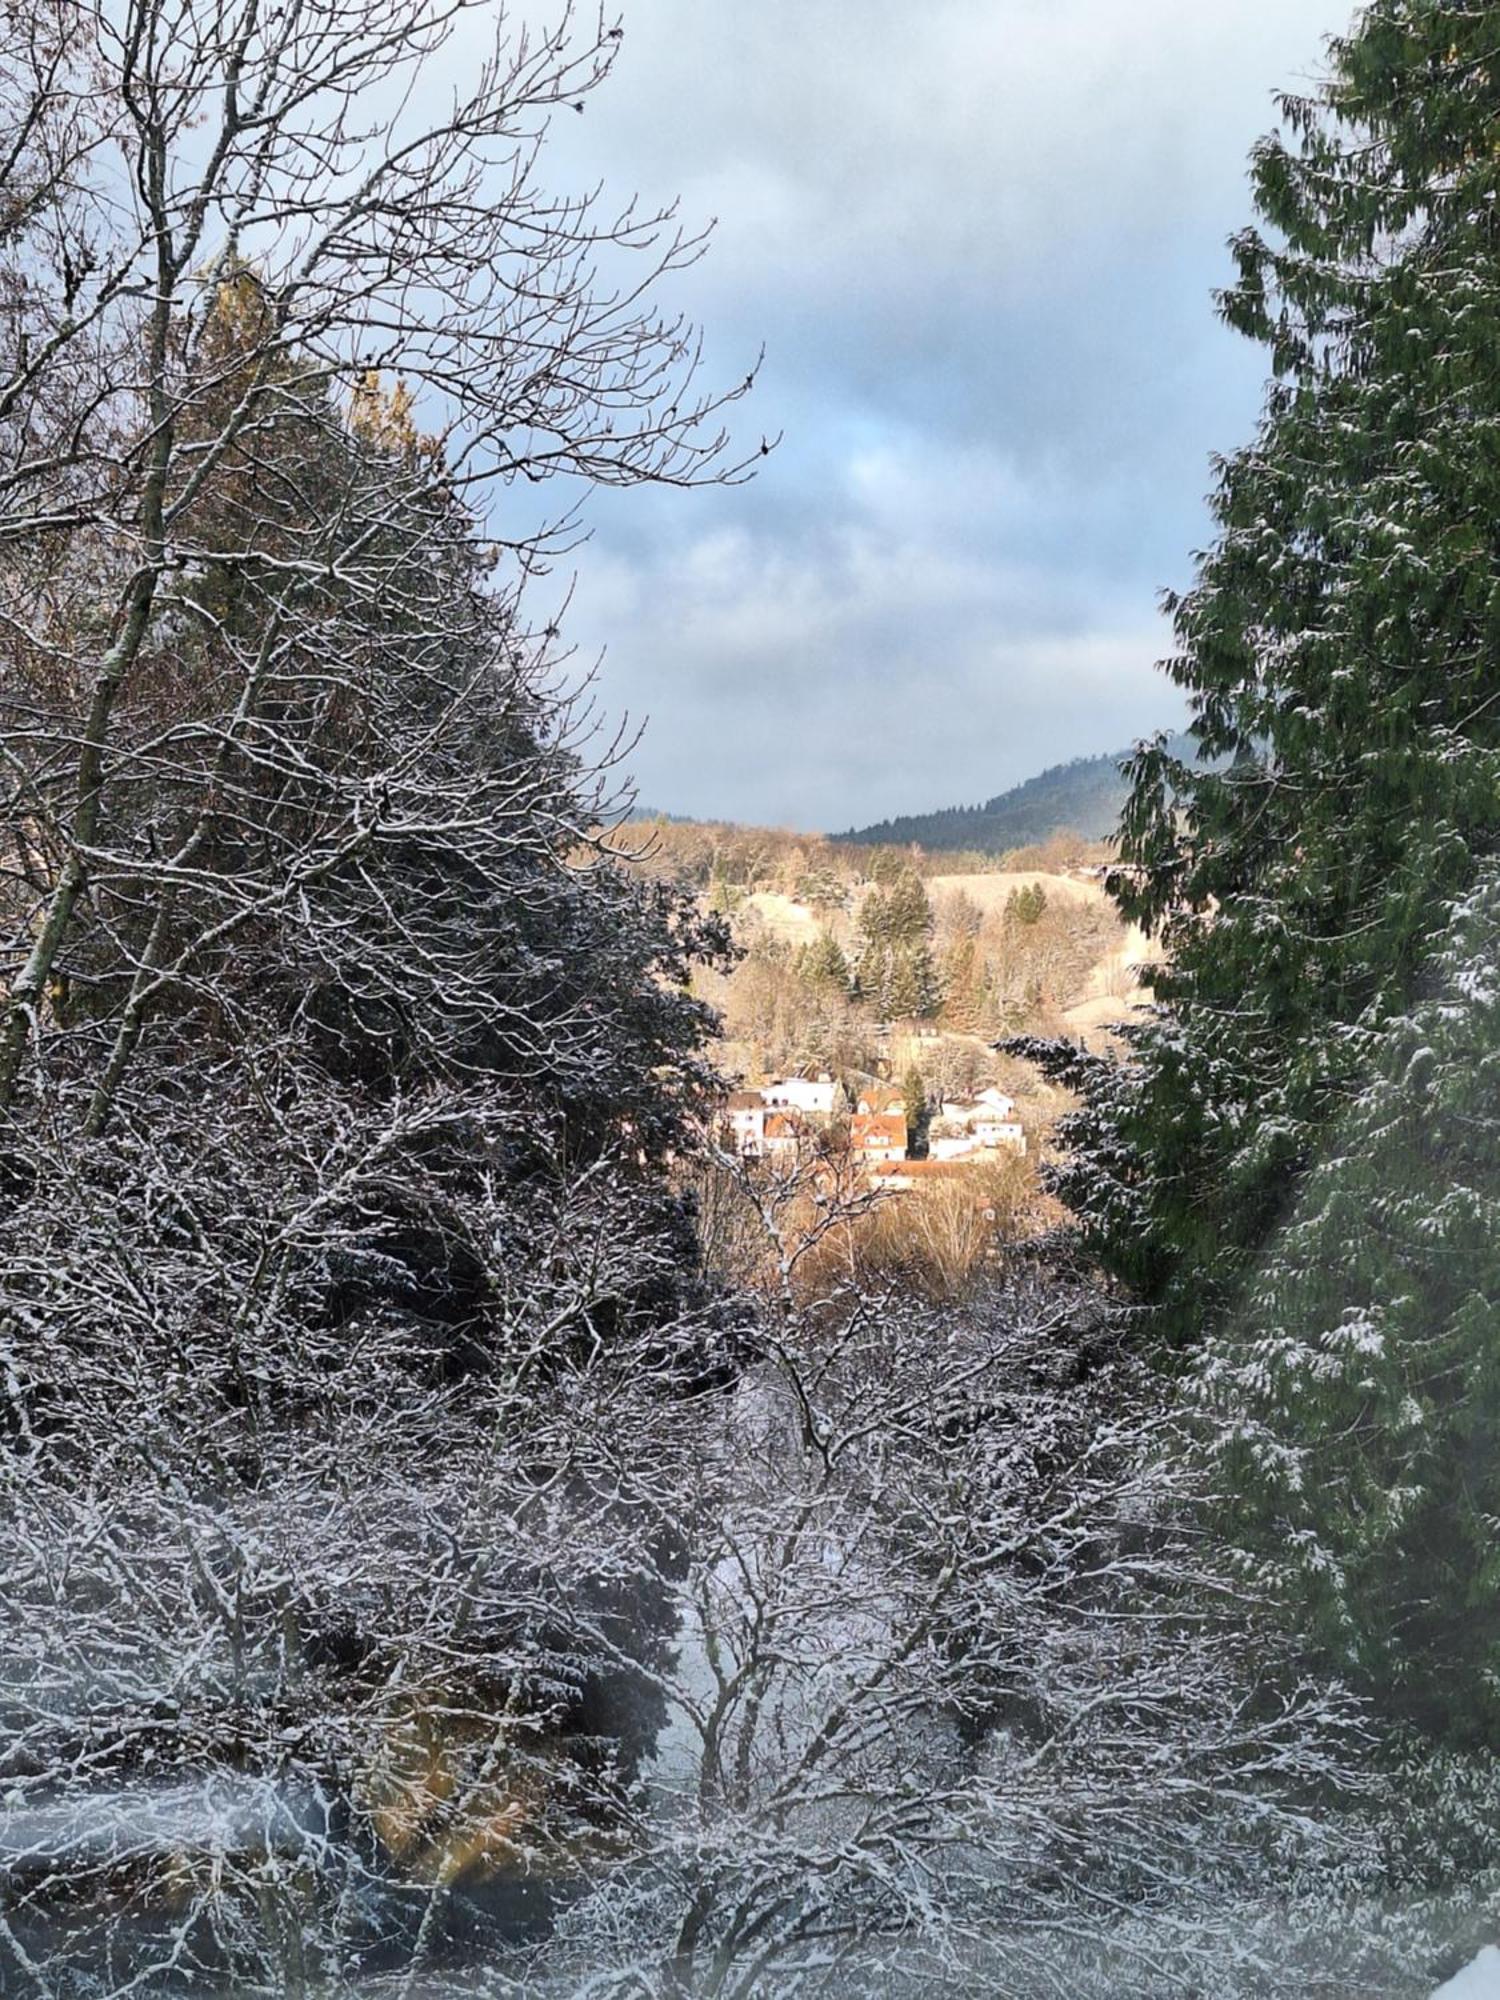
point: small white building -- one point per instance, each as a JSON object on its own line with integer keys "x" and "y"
{"x": 986, "y": 1122}
{"x": 812, "y": 1096}
{"x": 952, "y": 1146}
{"x": 745, "y": 1120}
{"x": 999, "y": 1135}
{"x": 985, "y": 1106}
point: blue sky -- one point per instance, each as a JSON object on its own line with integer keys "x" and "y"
{"x": 977, "y": 239}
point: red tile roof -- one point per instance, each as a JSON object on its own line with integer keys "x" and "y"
{"x": 919, "y": 1170}
{"x": 783, "y": 1125}
{"x": 876, "y": 1130}
{"x": 881, "y": 1097}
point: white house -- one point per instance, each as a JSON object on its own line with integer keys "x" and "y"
{"x": 812, "y": 1096}
{"x": 984, "y": 1106}
{"x": 986, "y": 1122}
{"x": 745, "y": 1118}
{"x": 999, "y": 1134}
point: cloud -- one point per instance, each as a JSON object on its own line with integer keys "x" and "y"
{"x": 887, "y": 660}
{"x": 978, "y": 239}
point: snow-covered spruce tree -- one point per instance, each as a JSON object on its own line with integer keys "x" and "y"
{"x": 337, "y": 1066}
{"x": 895, "y": 971}
{"x": 1338, "y": 651}
{"x": 1354, "y": 1401}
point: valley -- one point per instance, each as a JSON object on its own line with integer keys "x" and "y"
{"x": 863, "y": 1014}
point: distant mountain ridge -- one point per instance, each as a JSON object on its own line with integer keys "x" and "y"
{"x": 1082, "y": 797}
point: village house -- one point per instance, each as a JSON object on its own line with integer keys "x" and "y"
{"x": 986, "y": 1122}
{"x": 776, "y": 1117}
{"x": 877, "y": 1138}
{"x": 785, "y": 1135}
{"x": 878, "y": 1099}
{"x": 814, "y": 1095}
{"x": 1000, "y": 1135}
{"x": 951, "y": 1143}
{"x": 744, "y": 1118}
{"x": 988, "y": 1105}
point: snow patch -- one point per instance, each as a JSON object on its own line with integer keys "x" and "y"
{"x": 1479, "y": 1981}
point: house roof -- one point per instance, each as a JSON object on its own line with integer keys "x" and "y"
{"x": 989, "y": 1104}
{"x": 784, "y": 1125}
{"x": 877, "y": 1128}
{"x": 745, "y": 1100}
{"x": 921, "y": 1170}
{"x": 882, "y": 1097}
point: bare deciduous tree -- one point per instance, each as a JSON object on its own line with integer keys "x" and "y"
{"x": 962, "y": 1700}
{"x": 211, "y": 218}
{"x": 337, "y": 1063}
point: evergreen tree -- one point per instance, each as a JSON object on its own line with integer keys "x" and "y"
{"x": 928, "y": 985}
{"x": 964, "y": 976}
{"x": 874, "y": 919}
{"x": 822, "y": 890}
{"x": 1337, "y": 647}
{"x": 887, "y": 864}
{"x": 895, "y": 974}
{"x": 908, "y": 913}
{"x": 1026, "y": 906}
{"x": 911, "y": 990}
{"x": 1356, "y": 1397}
{"x": 822, "y": 964}
{"x": 872, "y": 976}
{"x": 903, "y": 992}
{"x": 918, "y": 1111}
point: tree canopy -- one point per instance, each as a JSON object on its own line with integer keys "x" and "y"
{"x": 1353, "y": 1397}
{"x": 339, "y": 1061}
{"x": 1336, "y": 648}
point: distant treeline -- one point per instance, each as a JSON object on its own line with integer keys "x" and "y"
{"x": 1083, "y": 797}
{"x": 818, "y": 869}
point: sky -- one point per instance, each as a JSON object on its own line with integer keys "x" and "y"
{"x": 978, "y": 241}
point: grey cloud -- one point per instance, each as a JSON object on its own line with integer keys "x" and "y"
{"x": 888, "y": 662}
{"x": 978, "y": 239}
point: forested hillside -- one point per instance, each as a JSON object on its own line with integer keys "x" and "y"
{"x": 838, "y": 944}
{"x": 1083, "y": 797}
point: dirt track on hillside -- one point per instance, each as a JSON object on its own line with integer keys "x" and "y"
{"x": 1115, "y": 992}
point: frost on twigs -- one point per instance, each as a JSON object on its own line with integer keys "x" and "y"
{"x": 951, "y": 1691}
